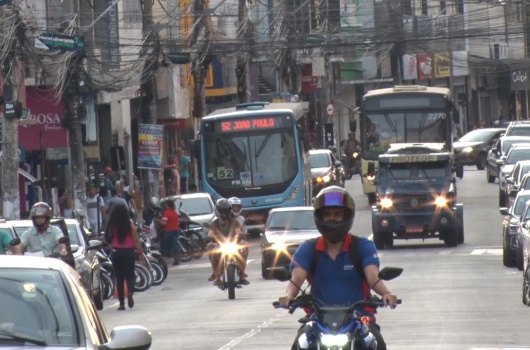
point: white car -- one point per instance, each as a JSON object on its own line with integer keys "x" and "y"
{"x": 199, "y": 206}
{"x": 45, "y": 307}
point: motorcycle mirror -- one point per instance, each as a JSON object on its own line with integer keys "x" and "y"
{"x": 14, "y": 241}
{"x": 389, "y": 273}
{"x": 206, "y": 225}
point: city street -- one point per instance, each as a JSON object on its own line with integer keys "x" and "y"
{"x": 453, "y": 298}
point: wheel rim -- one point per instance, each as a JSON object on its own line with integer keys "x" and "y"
{"x": 526, "y": 288}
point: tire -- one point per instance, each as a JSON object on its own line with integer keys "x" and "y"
{"x": 231, "y": 281}
{"x": 198, "y": 242}
{"x": 481, "y": 161}
{"x": 142, "y": 280}
{"x": 502, "y": 199}
{"x": 379, "y": 240}
{"x": 460, "y": 228}
{"x": 526, "y": 287}
{"x": 186, "y": 250}
{"x": 519, "y": 258}
{"x": 160, "y": 260}
{"x": 158, "y": 274}
{"x": 489, "y": 178}
{"x": 264, "y": 273}
{"x": 108, "y": 285}
{"x": 372, "y": 198}
{"x": 451, "y": 237}
{"x": 507, "y": 259}
{"x": 98, "y": 298}
{"x": 389, "y": 240}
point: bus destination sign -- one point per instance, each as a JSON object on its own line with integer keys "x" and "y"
{"x": 249, "y": 124}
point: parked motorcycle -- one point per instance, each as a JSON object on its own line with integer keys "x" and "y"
{"x": 336, "y": 327}
{"x": 154, "y": 259}
{"x": 107, "y": 273}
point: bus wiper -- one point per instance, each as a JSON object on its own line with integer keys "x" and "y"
{"x": 9, "y": 336}
{"x": 262, "y": 146}
{"x": 424, "y": 172}
{"x": 389, "y": 121}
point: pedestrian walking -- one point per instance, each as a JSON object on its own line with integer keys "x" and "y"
{"x": 122, "y": 236}
{"x": 184, "y": 165}
{"x": 96, "y": 216}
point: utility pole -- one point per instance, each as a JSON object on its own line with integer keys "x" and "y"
{"x": 72, "y": 101}
{"x": 11, "y": 69}
{"x": 150, "y": 52}
{"x": 200, "y": 63}
{"x": 242, "y": 55}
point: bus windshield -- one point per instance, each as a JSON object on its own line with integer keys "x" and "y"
{"x": 242, "y": 160}
{"x": 383, "y": 129}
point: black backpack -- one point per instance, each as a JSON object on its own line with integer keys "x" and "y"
{"x": 353, "y": 250}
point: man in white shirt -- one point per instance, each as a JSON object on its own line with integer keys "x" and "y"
{"x": 96, "y": 217}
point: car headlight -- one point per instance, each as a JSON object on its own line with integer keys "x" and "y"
{"x": 467, "y": 150}
{"x": 326, "y": 178}
{"x": 386, "y": 203}
{"x": 293, "y": 195}
{"x": 330, "y": 340}
{"x": 279, "y": 246}
{"x": 440, "y": 201}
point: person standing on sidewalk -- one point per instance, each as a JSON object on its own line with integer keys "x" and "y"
{"x": 184, "y": 165}
{"x": 170, "y": 231}
{"x": 122, "y": 236}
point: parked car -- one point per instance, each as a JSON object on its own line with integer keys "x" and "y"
{"x": 285, "y": 230}
{"x": 473, "y": 147}
{"x": 507, "y": 163}
{"x": 325, "y": 170}
{"x": 84, "y": 254}
{"x": 500, "y": 150}
{"x": 513, "y": 180}
{"x": 510, "y": 226}
{"x": 44, "y": 306}
{"x": 199, "y": 206}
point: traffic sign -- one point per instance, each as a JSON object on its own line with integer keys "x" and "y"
{"x": 329, "y": 109}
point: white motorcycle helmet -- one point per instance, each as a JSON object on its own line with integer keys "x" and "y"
{"x": 236, "y": 205}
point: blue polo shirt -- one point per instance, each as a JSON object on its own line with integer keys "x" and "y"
{"x": 336, "y": 282}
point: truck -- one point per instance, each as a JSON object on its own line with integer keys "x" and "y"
{"x": 417, "y": 195}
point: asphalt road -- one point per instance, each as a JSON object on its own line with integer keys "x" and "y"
{"x": 453, "y": 298}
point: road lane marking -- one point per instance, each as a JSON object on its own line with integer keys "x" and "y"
{"x": 251, "y": 333}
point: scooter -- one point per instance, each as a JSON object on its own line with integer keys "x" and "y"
{"x": 335, "y": 327}
{"x": 354, "y": 163}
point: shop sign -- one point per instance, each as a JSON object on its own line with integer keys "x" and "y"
{"x": 309, "y": 82}
{"x": 442, "y": 66}
{"x": 519, "y": 80}
{"x": 424, "y": 66}
{"x": 172, "y": 124}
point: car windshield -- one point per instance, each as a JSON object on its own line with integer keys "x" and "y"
{"x": 507, "y": 144}
{"x": 520, "y": 204}
{"x": 36, "y": 308}
{"x": 292, "y": 220}
{"x": 518, "y": 154}
{"x": 73, "y": 234}
{"x": 407, "y": 172}
{"x": 20, "y": 229}
{"x": 477, "y": 136}
{"x": 194, "y": 206}
{"x": 520, "y": 131}
{"x": 319, "y": 160}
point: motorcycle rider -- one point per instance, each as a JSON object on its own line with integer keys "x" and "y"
{"x": 349, "y": 147}
{"x": 335, "y": 282}
{"x": 224, "y": 227}
{"x": 42, "y": 236}
{"x": 237, "y": 206}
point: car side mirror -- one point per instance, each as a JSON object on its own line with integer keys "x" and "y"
{"x": 504, "y": 211}
{"x": 509, "y": 180}
{"x": 525, "y": 225}
{"x": 500, "y": 161}
{"x": 338, "y": 164}
{"x": 74, "y": 248}
{"x": 494, "y": 150}
{"x": 94, "y": 244}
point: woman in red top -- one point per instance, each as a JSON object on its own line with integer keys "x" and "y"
{"x": 170, "y": 231}
{"x": 121, "y": 234}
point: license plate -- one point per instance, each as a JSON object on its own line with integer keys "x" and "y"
{"x": 414, "y": 229}
{"x": 256, "y": 217}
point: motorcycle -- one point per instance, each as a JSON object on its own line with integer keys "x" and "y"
{"x": 354, "y": 167}
{"x": 336, "y": 327}
{"x": 154, "y": 260}
{"x": 107, "y": 273}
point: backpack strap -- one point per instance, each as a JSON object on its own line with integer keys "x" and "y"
{"x": 314, "y": 261}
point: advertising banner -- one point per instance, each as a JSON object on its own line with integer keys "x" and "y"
{"x": 410, "y": 67}
{"x": 329, "y": 135}
{"x": 424, "y": 66}
{"x": 150, "y": 138}
{"x": 442, "y": 66}
{"x": 49, "y": 131}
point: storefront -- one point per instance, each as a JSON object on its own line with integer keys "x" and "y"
{"x": 519, "y": 86}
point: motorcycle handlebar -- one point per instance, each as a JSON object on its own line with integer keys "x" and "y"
{"x": 296, "y": 304}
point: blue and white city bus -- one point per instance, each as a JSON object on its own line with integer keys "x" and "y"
{"x": 255, "y": 151}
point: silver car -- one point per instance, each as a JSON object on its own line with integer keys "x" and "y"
{"x": 84, "y": 251}
{"x": 45, "y": 307}
{"x": 199, "y": 206}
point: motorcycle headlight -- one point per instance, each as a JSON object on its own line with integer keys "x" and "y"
{"x": 329, "y": 340}
{"x": 467, "y": 150}
{"x": 229, "y": 248}
{"x": 355, "y": 155}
